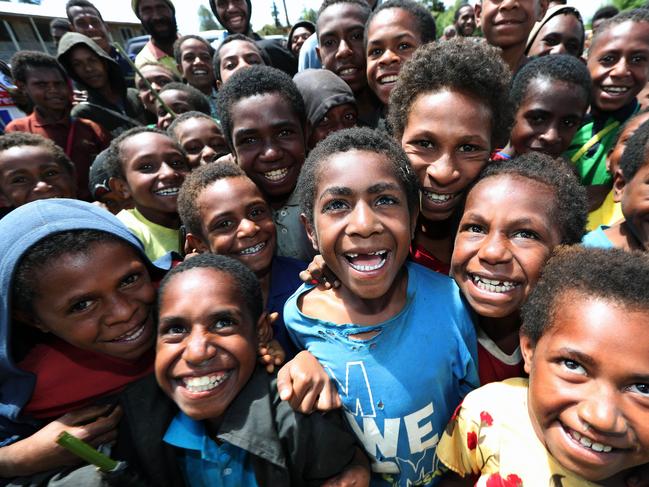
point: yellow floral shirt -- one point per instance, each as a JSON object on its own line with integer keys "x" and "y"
{"x": 491, "y": 436}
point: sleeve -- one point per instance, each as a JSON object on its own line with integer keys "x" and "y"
{"x": 464, "y": 447}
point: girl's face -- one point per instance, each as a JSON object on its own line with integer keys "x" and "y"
{"x": 361, "y": 225}
{"x": 548, "y": 117}
{"x": 562, "y": 34}
{"x": 391, "y": 41}
{"x": 202, "y": 140}
{"x": 100, "y": 300}
{"x": 589, "y": 391}
{"x": 504, "y": 239}
{"x": 448, "y": 140}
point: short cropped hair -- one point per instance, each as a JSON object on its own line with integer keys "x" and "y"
{"x": 606, "y": 12}
{"x": 82, "y": 4}
{"x": 22, "y": 61}
{"x": 461, "y": 64}
{"x": 252, "y": 81}
{"x": 179, "y": 42}
{"x": 216, "y": 60}
{"x": 18, "y": 139}
{"x": 174, "y": 76}
{"x": 114, "y": 164}
{"x": 245, "y": 281}
{"x": 359, "y": 139}
{"x": 559, "y": 67}
{"x": 194, "y": 184}
{"x": 571, "y": 210}
{"x": 60, "y": 24}
{"x": 197, "y": 100}
{"x": 51, "y": 249}
{"x": 636, "y": 152}
{"x": 183, "y": 117}
{"x": 635, "y": 15}
{"x": 423, "y": 20}
{"x": 328, "y": 3}
{"x": 612, "y": 275}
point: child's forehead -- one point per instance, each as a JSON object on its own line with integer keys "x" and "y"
{"x": 185, "y": 127}
{"x": 43, "y": 72}
{"x": 193, "y": 44}
{"x": 518, "y": 187}
{"x": 148, "y": 141}
{"x": 341, "y": 16}
{"x": 627, "y": 31}
{"x": 173, "y": 95}
{"x": 273, "y": 103}
{"x": 355, "y": 168}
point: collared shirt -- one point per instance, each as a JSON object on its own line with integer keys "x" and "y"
{"x": 203, "y": 461}
{"x": 81, "y": 141}
{"x": 291, "y": 236}
{"x": 150, "y": 53}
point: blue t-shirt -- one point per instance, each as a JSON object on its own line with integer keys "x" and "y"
{"x": 203, "y": 462}
{"x": 399, "y": 388}
{"x": 597, "y": 238}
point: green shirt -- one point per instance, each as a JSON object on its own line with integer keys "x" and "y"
{"x": 157, "y": 240}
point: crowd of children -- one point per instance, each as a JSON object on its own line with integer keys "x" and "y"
{"x": 421, "y": 264}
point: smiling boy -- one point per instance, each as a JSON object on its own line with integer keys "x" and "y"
{"x": 194, "y": 59}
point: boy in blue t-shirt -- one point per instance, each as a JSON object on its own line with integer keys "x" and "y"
{"x": 395, "y": 337}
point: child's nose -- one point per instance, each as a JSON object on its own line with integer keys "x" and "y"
{"x": 208, "y": 155}
{"x": 247, "y": 228}
{"x": 199, "y": 349}
{"x": 362, "y": 221}
{"x": 494, "y": 249}
{"x": 443, "y": 171}
{"x": 600, "y": 411}
{"x": 388, "y": 57}
{"x": 344, "y": 49}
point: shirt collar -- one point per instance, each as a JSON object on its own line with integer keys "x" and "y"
{"x": 156, "y": 51}
{"x": 39, "y": 122}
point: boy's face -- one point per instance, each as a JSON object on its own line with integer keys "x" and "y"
{"x": 89, "y": 67}
{"x": 202, "y": 140}
{"x": 234, "y": 15}
{"x": 507, "y": 23}
{"x": 158, "y": 77}
{"x": 337, "y": 118}
{"x": 154, "y": 169}
{"x": 177, "y": 100}
{"x": 340, "y": 43}
{"x": 506, "y": 235}
{"x": 196, "y": 64}
{"x": 619, "y": 64}
{"x": 562, "y": 34}
{"x": 448, "y": 140}
{"x": 613, "y": 159}
{"x": 268, "y": 141}
{"x": 30, "y": 173}
{"x": 47, "y": 89}
{"x": 548, "y": 117}
{"x": 634, "y": 196}
{"x": 588, "y": 396}
{"x": 361, "y": 225}
{"x": 465, "y": 24}
{"x": 206, "y": 348}
{"x": 391, "y": 41}
{"x": 86, "y": 21}
{"x": 100, "y": 300}
{"x": 236, "y": 221}
{"x": 236, "y": 55}
{"x": 300, "y": 35}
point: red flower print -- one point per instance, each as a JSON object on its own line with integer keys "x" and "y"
{"x": 486, "y": 419}
{"x": 472, "y": 440}
{"x": 512, "y": 480}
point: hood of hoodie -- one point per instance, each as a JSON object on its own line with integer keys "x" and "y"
{"x": 20, "y": 230}
{"x": 73, "y": 39}
{"x": 220, "y": 20}
{"x": 301, "y": 23}
{"x": 322, "y": 90}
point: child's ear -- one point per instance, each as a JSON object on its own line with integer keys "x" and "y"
{"x": 543, "y": 8}
{"x": 194, "y": 244}
{"x": 619, "y": 183}
{"x": 310, "y": 232}
{"x": 477, "y": 9}
{"x": 219, "y": 83}
{"x": 527, "y": 350}
{"x": 119, "y": 186}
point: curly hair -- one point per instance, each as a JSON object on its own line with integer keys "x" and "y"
{"x": 328, "y": 3}
{"x": 635, "y": 15}
{"x": 635, "y": 152}
{"x": 18, "y": 139}
{"x": 183, "y": 117}
{"x": 460, "y": 64}
{"x": 570, "y": 211}
{"x": 194, "y": 184}
{"x": 423, "y": 20}
{"x": 197, "y": 100}
{"x": 179, "y": 42}
{"x": 355, "y": 139}
{"x": 254, "y": 81}
{"x": 246, "y": 283}
{"x": 22, "y": 61}
{"x": 559, "y": 67}
{"x": 216, "y": 60}
{"x": 612, "y": 275}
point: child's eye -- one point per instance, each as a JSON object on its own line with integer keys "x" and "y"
{"x": 468, "y": 148}
{"x": 129, "y": 280}
{"x": 607, "y": 59}
{"x": 473, "y": 228}
{"x": 638, "y": 59}
{"x": 172, "y": 329}
{"x": 328, "y": 42}
{"x": 248, "y": 141}
{"x": 350, "y": 117}
{"x": 526, "y": 234}
{"x": 425, "y": 144}
{"x": 146, "y": 167}
{"x": 221, "y": 323}
{"x": 404, "y": 46}
{"x": 179, "y": 164}
{"x": 642, "y": 389}
{"x": 51, "y": 173}
{"x": 573, "y": 366}
{"x": 258, "y": 212}
{"x": 229, "y": 66}
{"x": 357, "y": 36}
{"x": 80, "y": 306}
{"x": 223, "y": 225}
{"x": 375, "y": 52}
{"x": 569, "y": 122}
{"x": 334, "y": 205}
{"x": 18, "y": 180}
{"x": 193, "y": 148}
{"x": 324, "y": 122}
{"x": 285, "y": 133}
{"x": 386, "y": 200}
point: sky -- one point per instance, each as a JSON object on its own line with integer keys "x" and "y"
{"x": 261, "y": 13}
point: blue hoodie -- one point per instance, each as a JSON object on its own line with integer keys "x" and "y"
{"x": 20, "y": 230}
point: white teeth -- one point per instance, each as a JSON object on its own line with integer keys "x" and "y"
{"x": 437, "y": 197}
{"x": 389, "y": 79}
{"x": 131, "y": 335}
{"x": 205, "y": 383}
{"x": 492, "y": 285}
{"x": 367, "y": 268}
{"x": 254, "y": 249}
{"x": 588, "y": 443}
{"x": 200, "y": 72}
{"x": 615, "y": 89}
{"x": 167, "y": 191}
{"x": 346, "y": 71}
{"x": 276, "y": 175}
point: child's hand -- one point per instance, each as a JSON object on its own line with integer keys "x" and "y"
{"x": 79, "y": 96}
{"x": 40, "y": 452}
{"x": 318, "y": 273}
{"x": 270, "y": 352}
{"x": 306, "y": 386}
